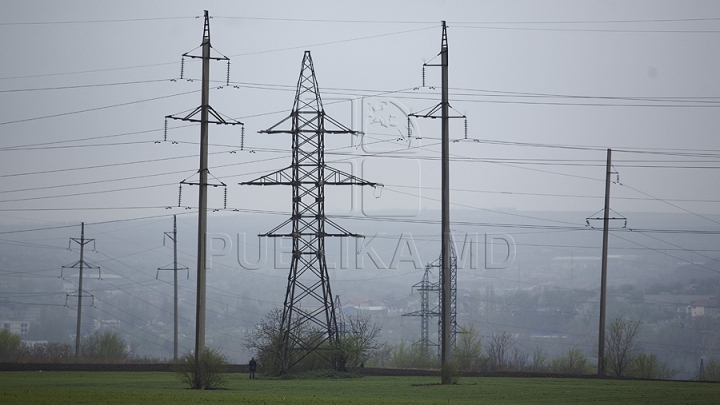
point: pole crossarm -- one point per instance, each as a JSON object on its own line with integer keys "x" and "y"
{"x": 219, "y": 119}
{"x": 430, "y": 114}
{"x": 77, "y": 265}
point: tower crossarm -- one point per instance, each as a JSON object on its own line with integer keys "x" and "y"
{"x": 331, "y": 177}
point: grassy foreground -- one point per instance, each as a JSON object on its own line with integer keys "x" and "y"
{"x": 57, "y": 388}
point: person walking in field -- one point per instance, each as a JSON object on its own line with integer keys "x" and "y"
{"x": 252, "y": 366}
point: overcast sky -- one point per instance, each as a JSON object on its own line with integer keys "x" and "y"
{"x": 86, "y": 84}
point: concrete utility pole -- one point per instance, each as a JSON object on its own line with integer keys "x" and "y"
{"x": 447, "y": 324}
{"x": 202, "y": 197}
{"x": 603, "y": 278}
{"x": 205, "y": 111}
{"x": 445, "y": 282}
{"x": 175, "y": 269}
{"x": 80, "y": 265}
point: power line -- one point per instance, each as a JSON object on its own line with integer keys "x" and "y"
{"x": 93, "y": 21}
{"x": 95, "y": 108}
{"x": 83, "y": 86}
{"x": 593, "y": 30}
{"x": 238, "y": 55}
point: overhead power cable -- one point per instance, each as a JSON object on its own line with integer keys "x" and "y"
{"x": 595, "y": 30}
{"x": 95, "y": 108}
{"x": 82, "y": 86}
{"x": 237, "y": 55}
{"x": 94, "y": 21}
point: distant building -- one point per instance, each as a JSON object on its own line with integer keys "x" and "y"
{"x": 105, "y": 323}
{"x": 17, "y": 327}
{"x": 708, "y": 307}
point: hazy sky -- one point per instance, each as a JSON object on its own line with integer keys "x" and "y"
{"x": 86, "y": 84}
{"x": 546, "y": 87}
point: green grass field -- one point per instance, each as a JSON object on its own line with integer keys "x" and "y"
{"x": 59, "y": 388}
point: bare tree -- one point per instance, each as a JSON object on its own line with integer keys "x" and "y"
{"x": 354, "y": 347}
{"x": 345, "y": 352}
{"x": 519, "y": 360}
{"x": 621, "y": 346}
{"x": 266, "y": 341}
{"x": 498, "y": 350}
{"x": 539, "y": 361}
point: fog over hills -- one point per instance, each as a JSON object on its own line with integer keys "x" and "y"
{"x": 541, "y": 284}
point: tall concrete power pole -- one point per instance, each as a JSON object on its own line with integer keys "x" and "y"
{"x": 447, "y": 324}
{"x": 205, "y": 111}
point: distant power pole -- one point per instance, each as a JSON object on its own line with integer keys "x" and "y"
{"x": 603, "y": 277}
{"x": 80, "y": 265}
{"x": 173, "y": 237}
{"x": 308, "y": 282}
{"x": 205, "y": 112}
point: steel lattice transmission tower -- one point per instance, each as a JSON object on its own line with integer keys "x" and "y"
{"x": 308, "y": 284}
{"x": 453, "y": 300}
{"x": 340, "y": 317}
{"x": 426, "y": 287}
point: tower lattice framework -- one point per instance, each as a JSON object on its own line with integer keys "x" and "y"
{"x": 425, "y": 287}
{"x": 308, "y": 305}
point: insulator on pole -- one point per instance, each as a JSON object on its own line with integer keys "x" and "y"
{"x": 242, "y": 137}
{"x": 182, "y": 67}
{"x": 180, "y": 195}
{"x": 225, "y": 199}
{"x": 465, "y": 127}
{"x": 423, "y": 75}
{"x": 409, "y": 127}
{"x": 227, "y": 80}
{"x": 165, "y": 137}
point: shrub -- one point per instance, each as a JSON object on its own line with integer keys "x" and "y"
{"x": 277, "y": 356}
{"x": 644, "y": 366}
{"x": 48, "y": 352}
{"x": 416, "y": 355}
{"x": 9, "y": 345}
{"x": 710, "y": 371}
{"x": 208, "y": 374}
{"x": 573, "y": 362}
{"x": 103, "y": 346}
{"x": 468, "y": 349}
